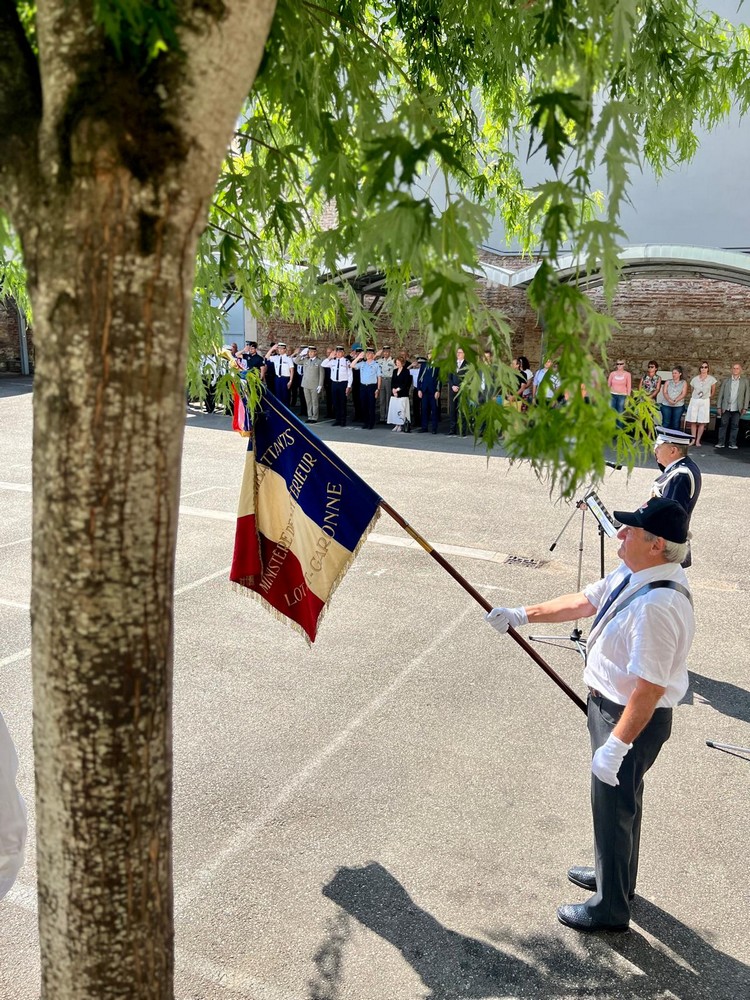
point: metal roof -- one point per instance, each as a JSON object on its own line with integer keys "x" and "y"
{"x": 649, "y": 260}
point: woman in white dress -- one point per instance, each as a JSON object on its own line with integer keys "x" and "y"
{"x": 399, "y": 410}
{"x": 699, "y": 408}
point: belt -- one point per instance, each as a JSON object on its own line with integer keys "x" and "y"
{"x": 614, "y": 708}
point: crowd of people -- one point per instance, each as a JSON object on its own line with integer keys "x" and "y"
{"x": 369, "y": 387}
{"x": 365, "y": 386}
{"x": 688, "y": 403}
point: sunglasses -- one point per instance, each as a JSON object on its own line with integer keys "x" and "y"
{"x": 619, "y": 362}
{"x": 704, "y": 366}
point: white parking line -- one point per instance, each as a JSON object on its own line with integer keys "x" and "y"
{"x": 207, "y": 489}
{"x": 18, "y": 541}
{"x": 238, "y": 844}
{"x": 213, "y": 515}
{"x": 234, "y": 981}
{"x": 400, "y": 541}
{"x": 224, "y": 571}
{"x": 15, "y": 657}
{"x": 404, "y": 542}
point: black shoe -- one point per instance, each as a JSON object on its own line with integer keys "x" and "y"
{"x": 585, "y": 877}
{"x": 576, "y": 916}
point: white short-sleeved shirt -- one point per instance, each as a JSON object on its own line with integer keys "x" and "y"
{"x": 651, "y": 638}
{"x": 283, "y": 364}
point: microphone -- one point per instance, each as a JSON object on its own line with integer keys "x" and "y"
{"x": 612, "y": 465}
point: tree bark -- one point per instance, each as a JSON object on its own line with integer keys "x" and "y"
{"x": 108, "y": 184}
{"x": 109, "y": 408}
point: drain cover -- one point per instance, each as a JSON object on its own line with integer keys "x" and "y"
{"x": 525, "y": 562}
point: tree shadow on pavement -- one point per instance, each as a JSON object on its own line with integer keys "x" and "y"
{"x": 15, "y": 385}
{"x": 729, "y": 699}
{"x": 680, "y": 963}
{"x": 453, "y": 966}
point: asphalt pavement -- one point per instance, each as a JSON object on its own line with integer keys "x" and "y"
{"x": 390, "y": 814}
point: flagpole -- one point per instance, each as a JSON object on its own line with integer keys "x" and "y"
{"x": 539, "y": 660}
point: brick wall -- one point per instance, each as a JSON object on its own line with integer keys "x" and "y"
{"x": 10, "y": 355}
{"x": 672, "y": 320}
{"x": 681, "y": 321}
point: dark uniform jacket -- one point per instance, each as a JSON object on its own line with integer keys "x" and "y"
{"x": 428, "y": 379}
{"x": 681, "y": 482}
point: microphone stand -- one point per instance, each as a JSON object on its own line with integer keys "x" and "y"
{"x": 590, "y": 502}
{"x": 576, "y": 635}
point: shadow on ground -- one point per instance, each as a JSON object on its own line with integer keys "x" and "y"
{"x": 729, "y": 699}
{"x": 15, "y": 385}
{"x": 453, "y": 966}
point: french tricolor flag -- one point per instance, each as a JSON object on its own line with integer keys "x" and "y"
{"x": 302, "y": 518}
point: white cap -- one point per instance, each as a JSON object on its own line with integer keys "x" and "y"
{"x": 666, "y": 436}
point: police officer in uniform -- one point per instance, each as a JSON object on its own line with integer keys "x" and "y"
{"x": 680, "y": 477}
{"x": 283, "y": 367}
{"x": 636, "y": 672}
{"x": 313, "y": 379}
{"x": 370, "y": 381}
{"x": 341, "y": 383}
{"x": 387, "y": 368}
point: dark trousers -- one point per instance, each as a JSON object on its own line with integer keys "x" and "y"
{"x": 328, "y": 393}
{"x": 430, "y": 410}
{"x": 617, "y": 810}
{"x": 356, "y": 395}
{"x": 730, "y": 421}
{"x": 454, "y": 412}
{"x": 369, "y": 404}
{"x": 281, "y": 390}
{"x": 338, "y": 395}
{"x": 210, "y": 394}
{"x": 296, "y": 395}
{"x": 416, "y": 409}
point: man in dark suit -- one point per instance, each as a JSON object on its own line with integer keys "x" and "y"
{"x": 455, "y": 379}
{"x": 680, "y": 477}
{"x": 428, "y": 391}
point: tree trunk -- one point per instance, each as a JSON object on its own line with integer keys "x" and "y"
{"x": 109, "y": 152}
{"x": 111, "y": 300}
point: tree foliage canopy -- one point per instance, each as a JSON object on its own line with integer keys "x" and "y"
{"x": 406, "y": 123}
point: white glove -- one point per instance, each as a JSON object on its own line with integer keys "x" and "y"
{"x": 318, "y": 388}
{"x": 504, "y": 618}
{"x": 607, "y": 760}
